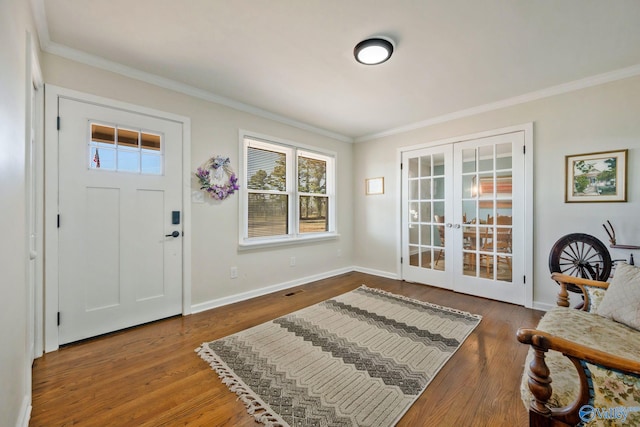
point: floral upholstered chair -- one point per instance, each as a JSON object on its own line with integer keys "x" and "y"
{"x": 583, "y": 367}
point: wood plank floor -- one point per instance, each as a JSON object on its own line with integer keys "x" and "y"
{"x": 150, "y": 375}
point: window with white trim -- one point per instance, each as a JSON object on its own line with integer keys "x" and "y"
{"x": 288, "y": 192}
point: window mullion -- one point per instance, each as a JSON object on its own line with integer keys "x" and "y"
{"x": 292, "y": 188}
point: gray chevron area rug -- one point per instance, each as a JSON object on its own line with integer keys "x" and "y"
{"x": 359, "y": 359}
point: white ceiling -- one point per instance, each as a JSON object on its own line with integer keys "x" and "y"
{"x": 293, "y": 59}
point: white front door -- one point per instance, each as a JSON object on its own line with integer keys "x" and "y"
{"x": 463, "y": 217}
{"x": 120, "y": 201}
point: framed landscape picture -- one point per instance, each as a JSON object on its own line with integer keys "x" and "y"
{"x": 596, "y": 177}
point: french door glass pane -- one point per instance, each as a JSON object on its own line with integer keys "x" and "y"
{"x": 413, "y": 167}
{"x": 487, "y": 210}
{"x": 426, "y": 190}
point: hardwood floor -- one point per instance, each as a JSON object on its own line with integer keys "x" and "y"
{"x": 150, "y": 375}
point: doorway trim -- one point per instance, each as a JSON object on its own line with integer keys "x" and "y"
{"x": 51, "y": 304}
{"x": 527, "y": 129}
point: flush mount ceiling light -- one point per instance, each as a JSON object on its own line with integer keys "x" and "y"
{"x": 373, "y": 51}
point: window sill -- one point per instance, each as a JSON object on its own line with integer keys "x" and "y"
{"x": 286, "y": 241}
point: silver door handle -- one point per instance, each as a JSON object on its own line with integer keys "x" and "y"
{"x": 456, "y": 226}
{"x": 449, "y": 225}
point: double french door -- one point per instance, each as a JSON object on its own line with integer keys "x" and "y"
{"x": 463, "y": 216}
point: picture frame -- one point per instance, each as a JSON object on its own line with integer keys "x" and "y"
{"x": 596, "y": 177}
{"x": 374, "y": 186}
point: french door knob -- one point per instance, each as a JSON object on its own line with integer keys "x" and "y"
{"x": 174, "y": 234}
{"x": 456, "y": 226}
{"x": 449, "y": 225}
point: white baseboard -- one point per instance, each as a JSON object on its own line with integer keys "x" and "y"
{"x": 380, "y": 273}
{"x": 25, "y": 412}
{"x": 208, "y": 305}
{"x": 543, "y": 306}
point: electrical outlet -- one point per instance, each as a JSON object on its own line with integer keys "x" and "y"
{"x": 234, "y": 272}
{"x": 292, "y": 261}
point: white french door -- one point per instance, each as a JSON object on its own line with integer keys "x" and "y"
{"x": 120, "y": 225}
{"x": 427, "y": 190}
{"x": 463, "y": 217}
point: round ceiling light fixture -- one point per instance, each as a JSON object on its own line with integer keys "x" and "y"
{"x": 373, "y": 51}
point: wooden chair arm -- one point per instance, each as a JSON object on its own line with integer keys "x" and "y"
{"x": 540, "y": 414}
{"x": 579, "y": 281}
{"x": 546, "y": 341}
{"x": 563, "y": 280}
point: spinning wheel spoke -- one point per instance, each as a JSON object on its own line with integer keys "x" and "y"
{"x": 580, "y": 255}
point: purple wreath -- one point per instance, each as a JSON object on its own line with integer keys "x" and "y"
{"x": 217, "y": 191}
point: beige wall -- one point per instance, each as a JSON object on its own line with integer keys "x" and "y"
{"x": 214, "y": 130}
{"x": 15, "y": 387}
{"x": 589, "y": 120}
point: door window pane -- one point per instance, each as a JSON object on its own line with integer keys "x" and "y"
{"x": 425, "y": 235}
{"x": 438, "y": 208}
{"x": 504, "y": 157}
{"x": 425, "y": 189}
{"x": 125, "y": 150}
{"x": 469, "y": 160}
{"x": 438, "y": 164}
{"x": 425, "y": 166}
{"x": 128, "y": 138}
{"x": 414, "y": 237}
{"x": 426, "y": 257}
{"x": 485, "y": 158}
{"x": 103, "y": 134}
{"x": 425, "y": 211}
{"x": 151, "y": 164}
{"x": 102, "y": 158}
{"x": 413, "y": 168}
{"x": 128, "y": 161}
{"x": 438, "y": 188}
{"x": 413, "y": 190}
{"x": 150, "y": 142}
{"x": 414, "y": 256}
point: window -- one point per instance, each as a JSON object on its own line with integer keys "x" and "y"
{"x": 288, "y": 192}
{"x": 114, "y": 148}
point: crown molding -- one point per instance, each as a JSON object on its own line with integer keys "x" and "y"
{"x": 166, "y": 83}
{"x": 40, "y": 18}
{"x": 587, "y": 82}
{"x": 47, "y": 45}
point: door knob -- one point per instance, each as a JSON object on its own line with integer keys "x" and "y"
{"x": 174, "y": 234}
{"x": 449, "y": 225}
{"x": 456, "y": 226}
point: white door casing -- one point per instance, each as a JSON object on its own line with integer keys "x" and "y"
{"x": 437, "y": 246}
{"x": 114, "y": 265}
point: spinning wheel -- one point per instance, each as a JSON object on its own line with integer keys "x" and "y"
{"x": 580, "y": 255}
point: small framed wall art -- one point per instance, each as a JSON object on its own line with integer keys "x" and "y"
{"x": 374, "y": 186}
{"x": 596, "y": 177}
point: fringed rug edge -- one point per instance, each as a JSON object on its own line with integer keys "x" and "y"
{"x": 255, "y": 406}
{"x": 424, "y": 303}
